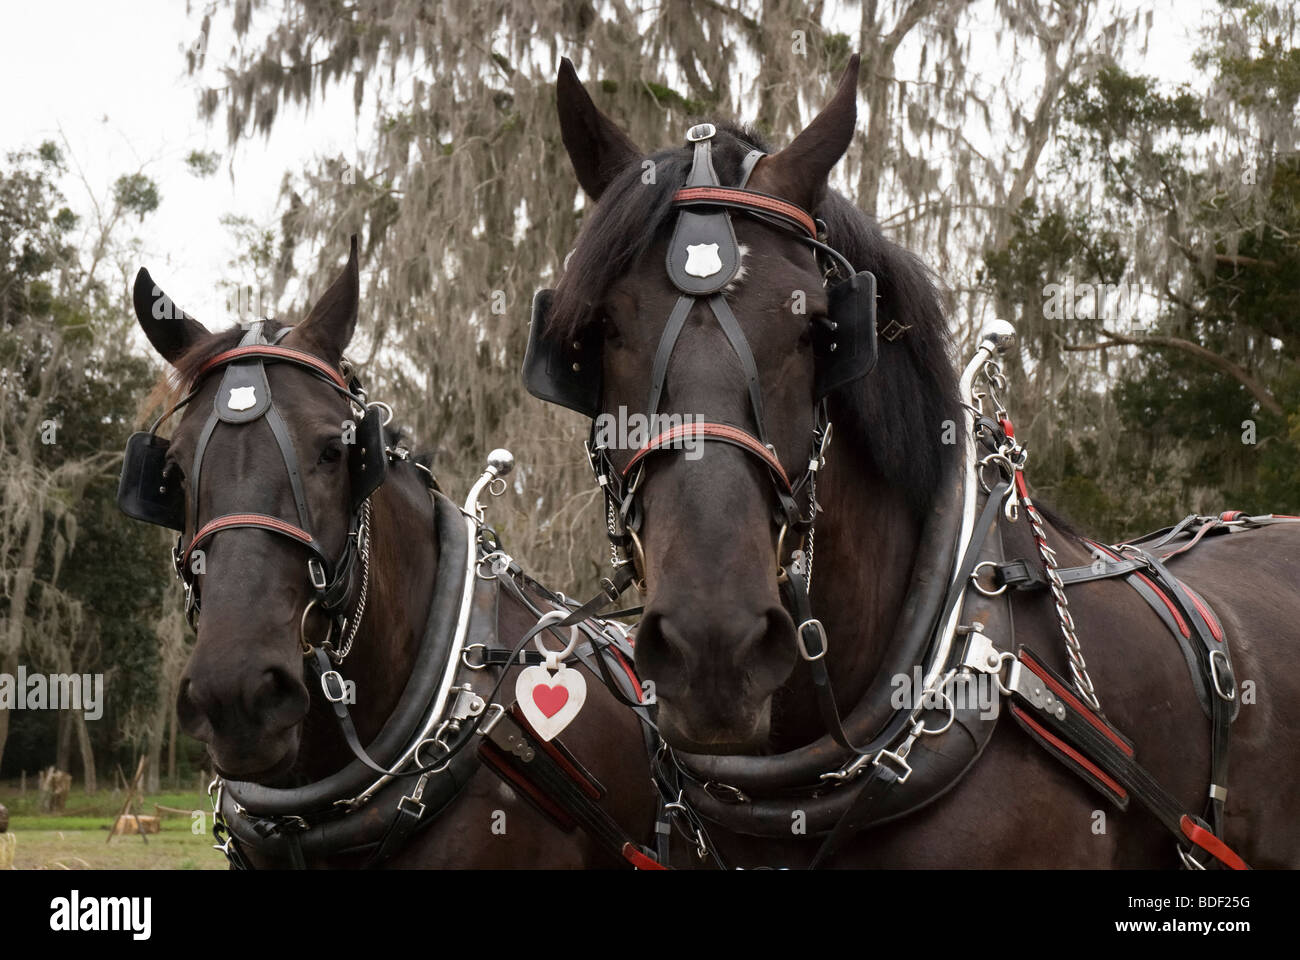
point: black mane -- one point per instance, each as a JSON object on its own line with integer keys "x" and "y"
{"x": 898, "y": 412}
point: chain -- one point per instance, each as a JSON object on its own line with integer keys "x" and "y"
{"x": 1078, "y": 666}
{"x": 1016, "y": 454}
{"x": 363, "y": 537}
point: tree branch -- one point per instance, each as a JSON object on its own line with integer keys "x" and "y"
{"x": 1238, "y": 373}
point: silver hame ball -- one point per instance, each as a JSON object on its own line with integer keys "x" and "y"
{"x": 501, "y": 460}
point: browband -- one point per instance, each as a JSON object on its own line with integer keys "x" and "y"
{"x": 272, "y": 352}
{"x": 746, "y": 200}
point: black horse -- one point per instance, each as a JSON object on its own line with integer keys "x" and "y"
{"x": 315, "y": 548}
{"x": 743, "y": 338}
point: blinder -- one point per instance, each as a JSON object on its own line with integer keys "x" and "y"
{"x": 564, "y": 371}
{"x": 144, "y": 490}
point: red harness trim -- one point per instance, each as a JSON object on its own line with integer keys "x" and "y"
{"x": 1206, "y": 613}
{"x": 749, "y": 198}
{"x": 712, "y": 431}
{"x": 274, "y": 524}
{"x": 272, "y": 352}
{"x": 639, "y": 860}
{"x": 1183, "y": 628}
{"x": 1208, "y": 842}
{"x": 1069, "y": 698}
{"x": 1070, "y": 752}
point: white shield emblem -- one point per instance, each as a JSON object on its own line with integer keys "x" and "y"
{"x": 702, "y": 259}
{"x": 241, "y": 398}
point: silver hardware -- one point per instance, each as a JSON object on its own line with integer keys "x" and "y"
{"x": 469, "y": 664}
{"x": 803, "y": 647}
{"x": 1189, "y": 861}
{"x": 467, "y": 703}
{"x": 897, "y": 763}
{"x": 384, "y": 407}
{"x": 1000, "y": 337}
{"x": 363, "y": 548}
{"x": 1218, "y": 793}
{"x": 725, "y": 792}
{"x": 495, "y": 712}
{"x": 701, "y": 131}
{"x": 975, "y": 580}
{"x": 1222, "y": 674}
{"x": 331, "y": 682}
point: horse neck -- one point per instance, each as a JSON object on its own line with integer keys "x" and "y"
{"x": 865, "y": 545}
{"x": 403, "y": 569}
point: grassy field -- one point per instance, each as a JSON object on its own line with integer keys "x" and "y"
{"x": 77, "y": 838}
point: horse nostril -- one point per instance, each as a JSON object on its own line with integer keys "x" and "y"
{"x": 271, "y": 693}
{"x": 190, "y": 712}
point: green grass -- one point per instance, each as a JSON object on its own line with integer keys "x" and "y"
{"x": 76, "y": 838}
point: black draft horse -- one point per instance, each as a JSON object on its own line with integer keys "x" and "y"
{"x": 736, "y": 701}
{"x": 245, "y": 693}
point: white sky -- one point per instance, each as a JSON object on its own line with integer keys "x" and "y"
{"x": 110, "y": 77}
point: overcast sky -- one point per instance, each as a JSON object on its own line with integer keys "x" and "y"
{"x": 110, "y": 77}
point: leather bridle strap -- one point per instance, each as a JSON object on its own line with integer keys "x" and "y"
{"x": 712, "y": 431}
{"x": 257, "y": 521}
{"x": 750, "y": 201}
{"x": 273, "y": 352}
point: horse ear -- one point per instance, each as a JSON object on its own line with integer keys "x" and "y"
{"x": 799, "y": 172}
{"x": 330, "y": 324}
{"x": 597, "y": 148}
{"x": 170, "y": 329}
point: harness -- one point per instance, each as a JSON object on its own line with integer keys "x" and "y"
{"x": 149, "y": 491}
{"x": 703, "y": 259}
{"x": 878, "y": 762}
{"x": 371, "y": 808}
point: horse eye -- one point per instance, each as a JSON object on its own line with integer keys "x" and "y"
{"x": 172, "y": 473}
{"x": 332, "y": 453}
{"x": 611, "y": 331}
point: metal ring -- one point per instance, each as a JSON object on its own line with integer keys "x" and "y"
{"x": 975, "y": 580}
{"x": 952, "y": 715}
{"x": 554, "y": 616}
{"x": 302, "y": 629}
{"x": 464, "y": 657}
{"x": 495, "y": 490}
{"x": 383, "y": 406}
{"x": 437, "y": 742}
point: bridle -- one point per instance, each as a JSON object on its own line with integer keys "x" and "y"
{"x": 704, "y": 224}
{"x": 244, "y": 397}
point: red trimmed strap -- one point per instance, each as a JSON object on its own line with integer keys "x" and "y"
{"x": 1183, "y": 628}
{"x": 639, "y": 860}
{"x": 1070, "y": 752}
{"x": 1037, "y": 670}
{"x": 272, "y": 352}
{"x": 1211, "y": 844}
{"x": 238, "y": 520}
{"x": 712, "y": 431}
{"x": 750, "y": 199}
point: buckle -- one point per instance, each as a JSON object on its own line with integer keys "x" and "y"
{"x": 819, "y": 632}
{"x": 1220, "y": 674}
{"x": 316, "y": 573}
{"x": 701, "y": 131}
{"x": 897, "y": 764}
{"x": 332, "y": 685}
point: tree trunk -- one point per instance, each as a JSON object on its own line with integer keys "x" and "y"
{"x": 87, "y": 752}
{"x": 63, "y": 745}
{"x": 13, "y": 636}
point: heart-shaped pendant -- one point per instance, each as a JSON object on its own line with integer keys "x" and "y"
{"x": 550, "y": 701}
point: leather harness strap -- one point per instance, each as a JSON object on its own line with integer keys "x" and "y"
{"x": 711, "y": 431}
{"x": 746, "y": 200}
{"x": 274, "y": 352}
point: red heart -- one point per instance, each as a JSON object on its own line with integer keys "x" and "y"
{"x": 550, "y": 700}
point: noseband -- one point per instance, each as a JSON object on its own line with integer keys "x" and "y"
{"x": 242, "y": 398}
